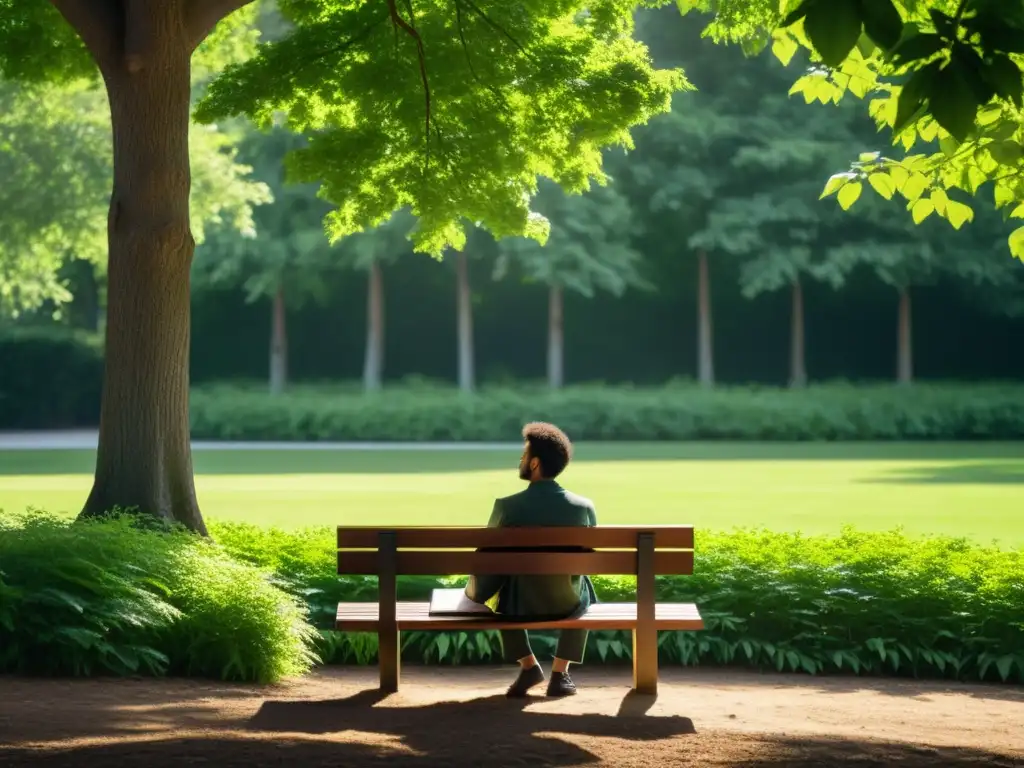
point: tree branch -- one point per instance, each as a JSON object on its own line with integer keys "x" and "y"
{"x": 99, "y": 24}
{"x": 201, "y": 16}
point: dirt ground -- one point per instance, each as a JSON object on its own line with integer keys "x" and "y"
{"x": 459, "y": 718}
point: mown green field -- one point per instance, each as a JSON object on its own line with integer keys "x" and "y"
{"x": 974, "y": 490}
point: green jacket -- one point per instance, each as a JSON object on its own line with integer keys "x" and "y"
{"x": 543, "y": 503}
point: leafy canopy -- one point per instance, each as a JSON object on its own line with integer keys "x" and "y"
{"x": 453, "y": 110}
{"x": 590, "y": 247}
{"x": 945, "y": 71}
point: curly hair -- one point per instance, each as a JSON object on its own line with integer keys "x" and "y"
{"x": 550, "y": 446}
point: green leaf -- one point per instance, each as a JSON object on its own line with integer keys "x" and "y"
{"x": 882, "y": 22}
{"x": 921, "y": 210}
{"x": 952, "y": 101}
{"x": 443, "y": 644}
{"x": 948, "y": 145}
{"x": 910, "y": 103}
{"x": 958, "y": 213}
{"x": 1016, "y": 241}
{"x": 945, "y": 25}
{"x": 833, "y": 28}
{"x": 836, "y": 182}
{"x": 784, "y": 47}
{"x": 975, "y": 72}
{"x": 798, "y": 13}
{"x": 1005, "y": 152}
{"x": 849, "y": 194}
{"x": 917, "y": 47}
{"x": 883, "y": 184}
{"x": 1005, "y": 665}
{"x": 914, "y": 186}
{"x": 1005, "y": 77}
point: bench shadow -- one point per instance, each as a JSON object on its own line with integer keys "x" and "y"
{"x": 423, "y": 728}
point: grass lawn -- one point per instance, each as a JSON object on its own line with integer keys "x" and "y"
{"x": 974, "y": 490}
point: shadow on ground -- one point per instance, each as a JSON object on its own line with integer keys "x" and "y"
{"x": 362, "y": 730}
{"x": 994, "y": 473}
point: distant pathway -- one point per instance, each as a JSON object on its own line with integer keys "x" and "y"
{"x": 85, "y": 439}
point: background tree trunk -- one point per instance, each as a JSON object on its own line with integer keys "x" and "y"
{"x": 144, "y": 456}
{"x": 467, "y": 375}
{"x": 904, "y": 341}
{"x": 797, "y": 346}
{"x": 556, "y": 341}
{"x": 278, "y": 344}
{"x": 705, "y": 349}
{"x": 373, "y": 363}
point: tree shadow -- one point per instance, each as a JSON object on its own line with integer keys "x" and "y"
{"x": 993, "y": 473}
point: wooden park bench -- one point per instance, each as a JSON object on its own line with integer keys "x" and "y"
{"x": 644, "y": 552}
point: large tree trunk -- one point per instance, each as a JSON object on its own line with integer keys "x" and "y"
{"x": 278, "y": 344}
{"x": 467, "y": 376}
{"x": 705, "y": 350}
{"x": 904, "y": 341}
{"x": 373, "y": 363}
{"x": 797, "y": 348}
{"x": 556, "y": 338}
{"x": 144, "y": 457}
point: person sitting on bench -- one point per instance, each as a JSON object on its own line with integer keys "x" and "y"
{"x": 546, "y": 453}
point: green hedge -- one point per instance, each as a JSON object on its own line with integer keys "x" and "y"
{"x": 676, "y": 412}
{"x": 49, "y": 379}
{"x": 107, "y": 597}
{"x": 873, "y": 603}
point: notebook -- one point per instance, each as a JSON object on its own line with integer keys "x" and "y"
{"x": 453, "y": 602}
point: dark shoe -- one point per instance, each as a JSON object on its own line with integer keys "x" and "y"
{"x": 561, "y": 684}
{"x": 528, "y": 678}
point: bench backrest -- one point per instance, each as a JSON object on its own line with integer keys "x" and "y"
{"x": 450, "y": 551}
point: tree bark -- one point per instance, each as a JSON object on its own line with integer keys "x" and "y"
{"x": 144, "y": 457}
{"x": 556, "y": 338}
{"x": 373, "y": 363}
{"x": 904, "y": 341}
{"x": 278, "y": 344}
{"x": 797, "y": 347}
{"x": 467, "y": 375}
{"x": 705, "y": 348}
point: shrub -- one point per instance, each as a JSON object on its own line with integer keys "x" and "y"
{"x": 52, "y": 379}
{"x": 109, "y": 597}
{"x": 675, "y": 412}
{"x": 872, "y": 603}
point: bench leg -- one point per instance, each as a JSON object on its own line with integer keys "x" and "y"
{"x": 645, "y": 660}
{"x": 389, "y": 655}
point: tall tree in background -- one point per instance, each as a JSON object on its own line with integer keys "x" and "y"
{"x": 504, "y": 118}
{"x": 368, "y": 252}
{"x": 909, "y": 256}
{"x": 466, "y": 353}
{"x": 286, "y": 259}
{"x": 767, "y": 214}
{"x": 589, "y": 249}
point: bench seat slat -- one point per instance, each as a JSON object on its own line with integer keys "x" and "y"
{"x": 363, "y": 617}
